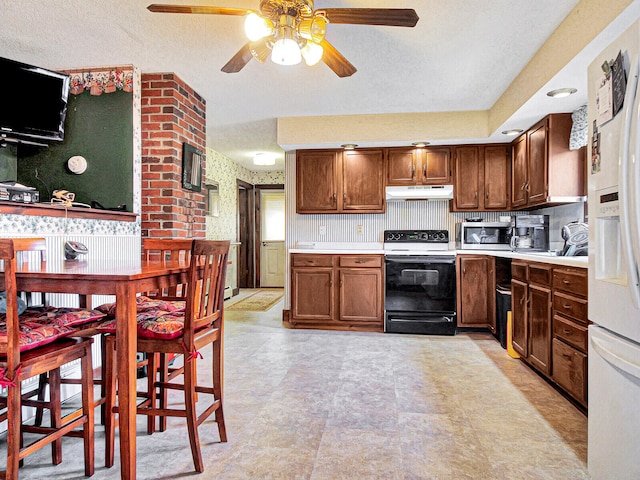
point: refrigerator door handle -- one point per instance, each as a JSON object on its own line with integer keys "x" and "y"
{"x": 631, "y": 99}
{"x": 605, "y": 351}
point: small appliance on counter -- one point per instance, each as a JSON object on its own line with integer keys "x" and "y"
{"x": 474, "y": 235}
{"x": 576, "y": 239}
{"x": 530, "y": 233}
{"x": 16, "y": 192}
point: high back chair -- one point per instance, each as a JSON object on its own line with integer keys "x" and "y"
{"x": 201, "y": 324}
{"x": 22, "y": 358}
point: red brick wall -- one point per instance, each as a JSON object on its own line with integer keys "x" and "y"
{"x": 172, "y": 113}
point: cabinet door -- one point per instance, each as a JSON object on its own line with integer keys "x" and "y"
{"x": 519, "y": 311}
{"x": 361, "y": 295}
{"x": 312, "y": 295}
{"x": 363, "y": 181}
{"x": 496, "y": 178}
{"x": 476, "y": 287}
{"x": 540, "y": 328}
{"x": 519, "y": 172}
{"x": 401, "y": 166}
{"x": 466, "y": 180}
{"x": 317, "y": 181}
{"x": 436, "y": 166}
{"x": 537, "y": 164}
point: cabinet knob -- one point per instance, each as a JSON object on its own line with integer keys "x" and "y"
{"x": 566, "y": 282}
{"x": 486, "y": 195}
{"x": 567, "y": 307}
{"x": 413, "y": 171}
{"x": 424, "y": 170}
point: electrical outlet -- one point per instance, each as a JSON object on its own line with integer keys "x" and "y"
{"x": 359, "y": 229}
{"x": 323, "y": 230}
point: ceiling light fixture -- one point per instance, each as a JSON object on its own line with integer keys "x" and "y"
{"x": 348, "y": 146}
{"x": 420, "y": 144}
{"x": 291, "y": 34}
{"x": 513, "y": 131}
{"x": 264, "y": 159}
{"x": 561, "y": 92}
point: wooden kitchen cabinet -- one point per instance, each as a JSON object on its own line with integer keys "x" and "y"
{"x": 544, "y": 170}
{"x": 570, "y": 327}
{"x": 338, "y": 292}
{"x": 418, "y": 166}
{"x": 476, "y": 291}
{"x": 531, "y": 313}
{"x": 333, "y": 181}
{"x": 481, "y": 178}
{"x": 312, "y": 288}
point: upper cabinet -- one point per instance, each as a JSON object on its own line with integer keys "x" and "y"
{"x": 481, "y": 178}
{"x": 544, "y": 170}
{"x": 333, "y": 181}
{"x": 419, "y": 166}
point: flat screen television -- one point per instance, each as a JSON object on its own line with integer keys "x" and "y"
{"x": 34, "y": 102}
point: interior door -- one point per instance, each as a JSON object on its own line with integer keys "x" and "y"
{"x": 272, "y": 238}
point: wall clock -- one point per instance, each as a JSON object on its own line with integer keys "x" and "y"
{"x": 77, "y": 164}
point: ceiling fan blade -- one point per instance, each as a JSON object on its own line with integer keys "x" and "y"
{"x": 156, "y": 7}
{"x": 239, "y": 60}
{"x": 395, "y": 17}
{"x": 336, "y": 61}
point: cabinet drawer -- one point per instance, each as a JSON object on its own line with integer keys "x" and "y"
{"x": 372, "y": 261}
{"x": 570, "y": 280}
{"x": 540, "y": 274}
{"x": 570, "y": 370}
{"x": 519, "y": 271}
{"x": 570, "y": 332}
{"x": 312, "y": 260}
{"x": 570, "y": 306}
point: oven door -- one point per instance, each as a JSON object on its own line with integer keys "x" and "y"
{"x": 420, "y": 294}
{"x": 420, "y": 283}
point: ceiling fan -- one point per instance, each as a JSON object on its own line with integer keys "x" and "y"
{"x": 291, "y": 30}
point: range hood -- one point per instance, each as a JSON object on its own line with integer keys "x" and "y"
{"x": 420, "y": 192}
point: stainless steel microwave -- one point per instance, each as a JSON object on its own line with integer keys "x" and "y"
{"x": 483, "y": 235}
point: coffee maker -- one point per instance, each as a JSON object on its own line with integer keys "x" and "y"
{"x": 530, "y": 233}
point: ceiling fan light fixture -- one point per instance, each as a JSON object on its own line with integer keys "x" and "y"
{"x": 313, "y": 28}
{"x": 257, "y": 27}
{"x": 264, "y": 159}
{"x": 312, "y": 53}
{"x": 286, "y": 52}
{"x": 260, "y": 50}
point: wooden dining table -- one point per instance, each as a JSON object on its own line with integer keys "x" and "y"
{"x": 124, "y": 279}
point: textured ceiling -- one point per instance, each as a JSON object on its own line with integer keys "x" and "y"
{"x": 462, "y": 55}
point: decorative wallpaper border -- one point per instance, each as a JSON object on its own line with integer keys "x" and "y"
{"x": 101, "y": 80}
{"x": 40, "y": 225}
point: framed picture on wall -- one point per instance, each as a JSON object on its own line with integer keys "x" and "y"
{"x": 191, "y": 167}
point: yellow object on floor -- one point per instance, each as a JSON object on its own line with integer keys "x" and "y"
{"x": 512, "y": 353}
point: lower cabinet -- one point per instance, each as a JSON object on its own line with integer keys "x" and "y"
{"x": 340, "y": 292}
{"x": 549, "y": 314}
{"x": 476, "y": 291}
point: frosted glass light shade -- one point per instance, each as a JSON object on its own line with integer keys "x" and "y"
{"x": 286, "y": 52}
{"x": 257, "y": 27}
{"x": 264, "y": 159}
{"x": 312, "y": 53}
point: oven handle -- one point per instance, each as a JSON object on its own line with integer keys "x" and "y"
{"x": 433, "y": 259}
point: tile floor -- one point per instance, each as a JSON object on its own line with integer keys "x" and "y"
{"x": 304, "y": 404}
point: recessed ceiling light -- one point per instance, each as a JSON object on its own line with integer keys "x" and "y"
{"x": 513, "y": 131}
{"x": 349, "y": 146}
{"x": 420, "y": 144}
{"x": 561, "y": 92}
{"x": 264, "y": 159}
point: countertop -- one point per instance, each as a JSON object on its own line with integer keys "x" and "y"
{"x": 376, "y": 248}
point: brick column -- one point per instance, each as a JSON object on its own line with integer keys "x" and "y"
{"x": 172, "y": 113}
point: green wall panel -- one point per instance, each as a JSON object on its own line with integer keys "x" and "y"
{"x": 100, "y": 128}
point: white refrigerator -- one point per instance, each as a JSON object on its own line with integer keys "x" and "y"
{"x": 614, "y": 260}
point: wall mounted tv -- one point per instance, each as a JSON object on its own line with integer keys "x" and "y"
{"x": 34, "y": 104}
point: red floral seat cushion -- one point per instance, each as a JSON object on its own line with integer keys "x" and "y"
{"x": 44, "y": 325}
{"x": 152, "y": 324}
{"x": 144, "y": 303}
